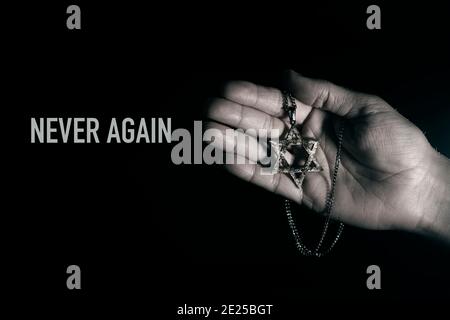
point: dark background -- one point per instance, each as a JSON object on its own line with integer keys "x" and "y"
{"x": 149, "y": 235}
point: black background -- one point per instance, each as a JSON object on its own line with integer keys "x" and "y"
{"x": 149, "y": 235}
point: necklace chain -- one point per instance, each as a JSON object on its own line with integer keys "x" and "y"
{"x": 329, "y": 204}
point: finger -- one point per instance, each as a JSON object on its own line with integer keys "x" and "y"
{"x": 229, "y": 140}
{"x": 312, "y": 194}
{"x": 239, "y": 116}
{"x": 327, "y": 96}
{"x": 232, "y": 141}
{"x": 265, "y": 99}
{"x": 277, "y": 183}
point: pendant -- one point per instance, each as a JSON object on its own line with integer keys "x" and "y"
{"x": 298, "y": 146}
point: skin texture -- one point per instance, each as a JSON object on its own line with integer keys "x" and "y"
{"x": 390, "y": 176}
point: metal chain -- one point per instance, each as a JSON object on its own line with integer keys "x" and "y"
{"x": 329, "y": 204}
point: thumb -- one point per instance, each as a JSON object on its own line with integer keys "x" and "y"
{"x": 327, "y": 96}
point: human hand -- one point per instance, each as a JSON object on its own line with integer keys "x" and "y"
{"x": 390, "y": 176}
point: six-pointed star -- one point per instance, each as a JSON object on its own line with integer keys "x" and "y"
{"x": 293, "y": 141}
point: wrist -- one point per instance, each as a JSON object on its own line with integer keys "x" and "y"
{"x": 436, "y": 210}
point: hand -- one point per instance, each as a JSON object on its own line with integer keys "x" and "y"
{"x": 390, "y": 176}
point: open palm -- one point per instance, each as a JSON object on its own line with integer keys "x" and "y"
{"x": 385, "y": 161}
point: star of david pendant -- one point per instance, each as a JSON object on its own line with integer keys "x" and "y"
{"x": 294, "y": 142}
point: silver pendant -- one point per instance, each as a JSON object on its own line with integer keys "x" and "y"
{"x": 296, "y": 143}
